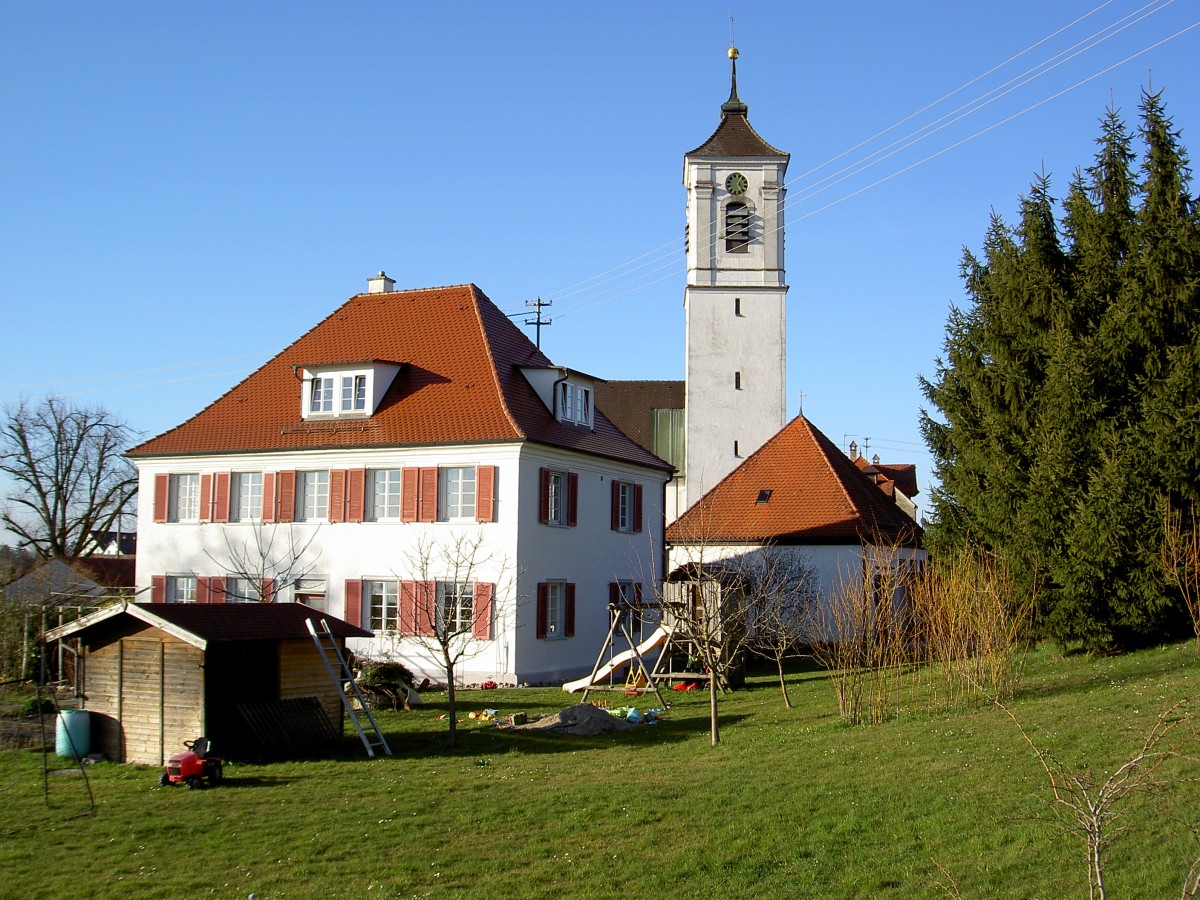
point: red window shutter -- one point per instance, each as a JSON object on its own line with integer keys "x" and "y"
{"x": 206, "y": 496}
{"x": 543, "y": 610}
{"x": 409, "y": 482}
{"x": 572, "y": 498}
{"x": 616, "y": 506}
{"x": 407, "y": 624}
{"x": 637, "y": 507}
{"x": 485, "y": 494}
{"x": 162, "y": 498}
{"x": 569, "y": 611}
{"x": 267, "y": 590}
{"x": 158, "y": 583}
{"x": 614, "y": 594}
{"x": 353, "y": 611}
{"x": 287, "y": 496}
{"x": 544, "y": 495}
{"x": 204, "y": 590}
{"x": 216, "y": 589}
{"x": 427, "y": 494}
{"x": 356, "y": 485}
{"x": 221, "y": 500}
{"x": 268, "y": 510}
{"x": 483, "y": 611}
{"x": 426, "y": 608}
{"x": 337, "y": 495}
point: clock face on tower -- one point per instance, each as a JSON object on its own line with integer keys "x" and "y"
{"x": 736, "y": 183}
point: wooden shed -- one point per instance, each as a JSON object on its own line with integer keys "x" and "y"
{"x": 156, "y": 674}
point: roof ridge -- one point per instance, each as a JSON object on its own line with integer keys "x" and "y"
{"x": 813, "y": 432}
{"x": 476, "y": 296}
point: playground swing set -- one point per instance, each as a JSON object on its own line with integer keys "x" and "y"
{"x": 640, "y": 676}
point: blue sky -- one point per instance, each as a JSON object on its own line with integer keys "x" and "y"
{"x": 189, "y": 187}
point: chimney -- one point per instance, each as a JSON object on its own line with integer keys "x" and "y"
{"x": 380, "y": 284}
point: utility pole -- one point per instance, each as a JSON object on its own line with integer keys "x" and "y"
{"x": 537, "y": 319}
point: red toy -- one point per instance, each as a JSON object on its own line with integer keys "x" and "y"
{"x": 193, "y": 766}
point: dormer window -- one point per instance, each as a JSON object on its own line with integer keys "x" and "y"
{"x": 340, "y": 394}
{"x": 575, "y": 403}
{"x": 349, "y": 390}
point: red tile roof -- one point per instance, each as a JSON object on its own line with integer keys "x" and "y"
{"x": 460, "y": 384}
{"x": 816, "y": 495}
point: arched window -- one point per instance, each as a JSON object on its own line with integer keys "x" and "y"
{"x": 737, "y": 227}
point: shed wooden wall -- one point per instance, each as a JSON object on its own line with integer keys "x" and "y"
{"x": 146, "y": 693}
{"x": 303, "y": 674}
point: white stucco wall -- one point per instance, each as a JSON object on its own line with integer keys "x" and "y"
{"x": 736, "y": 309}
{"x": 517, "y": 551}
{"x": 833, "y": 564}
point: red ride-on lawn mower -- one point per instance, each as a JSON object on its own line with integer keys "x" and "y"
{"x": 193, "y": 766}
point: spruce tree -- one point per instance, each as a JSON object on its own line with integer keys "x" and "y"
{"x": 1068, "y": 396}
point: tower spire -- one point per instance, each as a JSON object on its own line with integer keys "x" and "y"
{"x": 733, "y": 106}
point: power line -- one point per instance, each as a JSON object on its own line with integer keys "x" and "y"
{"x": 627, "y": 285}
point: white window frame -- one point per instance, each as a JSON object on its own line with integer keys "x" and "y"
{"x": 574, "y": 403}
{"x": 311, "y": 586}
{"x": 242, "y": 590}
{"x": 180, "y": 589}
{"x": 455, "y": 502}
{"x": 184, "y": 498}
{"x": 338, "y": 393}
{"x": 382, "y": 600}
{"x": 320, "y": 396}
{"x": 456, "y": 605}
{"x": 384, "y": 488}
{"x": 246, "y": 497}
{"x": 312, "y": 495}
{"x": 556, "y": 610}
{"x": 557, "y": 501}
{"x": 354, "y": 393}
{"x": 625, "y": 506}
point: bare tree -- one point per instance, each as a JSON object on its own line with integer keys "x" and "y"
{"x": 453, "y": 596}
{"x": 1094, "y": 810}
{"x": 266, "y": 562}
{"x": 71, "y": 478}
{"x": 704, "y": 602}
{"x": 781, "y": 589}
{"x": 1181, "y": 560}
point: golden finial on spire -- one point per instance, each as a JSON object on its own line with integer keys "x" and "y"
{"x": 733, "y": 54}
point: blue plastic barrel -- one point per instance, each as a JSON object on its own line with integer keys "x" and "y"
{"x": 73, "y": 730}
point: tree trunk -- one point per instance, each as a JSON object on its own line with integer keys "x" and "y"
{"x": 715, "y": 727}
{"x": 450, "y": 704}
{"x": 787, "y": 701}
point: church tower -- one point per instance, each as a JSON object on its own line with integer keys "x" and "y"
{"x": 736, "y": 296}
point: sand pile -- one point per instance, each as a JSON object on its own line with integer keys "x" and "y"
{"x": 584, "y": 720}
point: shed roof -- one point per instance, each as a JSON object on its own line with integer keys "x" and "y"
{"x": 201, "y": 623}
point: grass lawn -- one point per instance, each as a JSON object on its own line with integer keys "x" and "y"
{"x": 791, "y": 804}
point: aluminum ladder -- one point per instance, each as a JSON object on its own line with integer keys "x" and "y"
{"x": 340, "y": 675}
